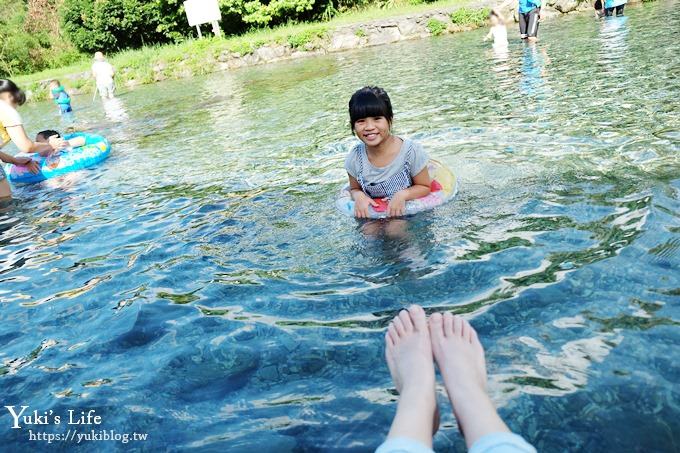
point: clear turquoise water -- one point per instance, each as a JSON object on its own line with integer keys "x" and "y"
{"x": 200, "y": 287}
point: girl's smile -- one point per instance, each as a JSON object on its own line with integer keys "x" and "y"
{"x": 372, "y": 130}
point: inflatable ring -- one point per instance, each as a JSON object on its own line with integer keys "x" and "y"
{"x": 95, "y": 150}
{"x": 444, "y": 187}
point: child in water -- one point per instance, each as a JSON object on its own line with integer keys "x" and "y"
{"x": 60, "y": 96}
{"x": 498, "y": 31}
{"x": 383, "y": 168}
{"x": 46, "y": 135}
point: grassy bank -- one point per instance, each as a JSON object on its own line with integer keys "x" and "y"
{"x": 200, "y": 56}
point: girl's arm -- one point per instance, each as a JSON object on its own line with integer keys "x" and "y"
{"x": 27, "y": 162}
{"x": 26, "y": 145}
{"x": 361, "y": 200}
{"x": 355, "y": 188}
{"x": 420, "y": 188}
{"x": 7, "y": 158}
{"x": 488, "y": 35}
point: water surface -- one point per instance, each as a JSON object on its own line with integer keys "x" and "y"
{"x": 200, "y": 287}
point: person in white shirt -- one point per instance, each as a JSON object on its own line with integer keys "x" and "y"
{"x": 498, "y": 31}
{"x": 103, "y": 74}
{"x": 12, "y": 130}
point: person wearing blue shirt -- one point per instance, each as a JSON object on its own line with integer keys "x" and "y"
{"x": 61, "y": 97}
{"x": 529, "y": 15}
{"x": 609, "y": 6}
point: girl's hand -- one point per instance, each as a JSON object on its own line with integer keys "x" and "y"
{"x": 397, "y": 206}
{"x": 361, "y": 204}
{"x": 27, "y": 162}
{"x": 57, "y": 143}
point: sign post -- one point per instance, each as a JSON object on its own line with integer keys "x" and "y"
{"x": 203, "y": 12}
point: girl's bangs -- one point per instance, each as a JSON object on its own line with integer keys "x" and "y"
{"x": 368, "y": 105}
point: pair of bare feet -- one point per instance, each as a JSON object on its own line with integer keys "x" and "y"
{"x": 413, "y": 344}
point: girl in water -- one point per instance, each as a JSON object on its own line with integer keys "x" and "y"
{"x": 384, "y": 170}
{"x": 12, "y": 129}
{"x": 498, "y": 32}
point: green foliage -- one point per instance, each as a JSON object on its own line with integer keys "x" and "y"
{"x": 241, "y": 47}
{"x": 27, "y": 48}
{"x": 470, "y": 16}
{"x": 436, "y": 27}
{"x": 111, "y": 25}
{"x": 359, "y": 32}
{"x": 298, "y": 40}
{"x": 248, "y": 13}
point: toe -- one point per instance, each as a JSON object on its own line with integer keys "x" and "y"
{"x": 399, "y": 326}
{"x": 458, "y": 326}
{"x": 388, "y": 340}
{"x": 474, "y": 339}
{"x": 436, "y": 324}
{"x": 448, "y": 324}
{"x": 418, "y": 318}
{"x": 392, "y": 332}
{"x": 467, "y": 331}
{"x": 406, "y": 321}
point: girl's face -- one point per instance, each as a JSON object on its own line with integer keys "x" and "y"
{"x": 8, "y": 98}
{"x": 372, "y": 130}
{"x": 493, "y": 20}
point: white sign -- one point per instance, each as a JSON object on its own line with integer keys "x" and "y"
{"x": 202, "y": 11}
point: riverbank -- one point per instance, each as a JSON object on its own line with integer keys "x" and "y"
{"x": 370, "y": 27}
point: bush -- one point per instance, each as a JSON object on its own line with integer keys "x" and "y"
{"x": 298, "y": 40}
{"x": 436, "y": 27}
{"x": 111, "y": 25}
{"x": 469, "y": 16}
{"x": 241, "y": 14}
{"x": 27, "y": 44}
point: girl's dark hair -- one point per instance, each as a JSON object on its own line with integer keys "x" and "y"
{"x": 369, "y": 101}
{"x": 7, "y": 86}
{"x": 46, "y": 134}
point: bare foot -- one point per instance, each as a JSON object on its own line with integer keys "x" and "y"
{"x": 460, "y": 358}
{"x": 408, "y": 351}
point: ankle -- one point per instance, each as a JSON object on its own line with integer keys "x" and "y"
{"x": 423, "y": 399}
{"x": 468, "y": 389}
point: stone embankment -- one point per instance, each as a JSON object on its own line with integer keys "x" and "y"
{"x": 372, "y": 33}
{"x": 384, "y": 31}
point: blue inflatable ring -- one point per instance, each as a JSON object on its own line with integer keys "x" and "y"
{"x": 95, "y": 150}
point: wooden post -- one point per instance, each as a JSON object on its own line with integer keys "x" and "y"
{"x": 216, "y": 28}
{"x": 198, "y": 29}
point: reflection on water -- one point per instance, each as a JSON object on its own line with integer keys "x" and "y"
{"x": 114, "y": 110}
{"x": 534, "y": 82}
{"x": 200, "y": 286}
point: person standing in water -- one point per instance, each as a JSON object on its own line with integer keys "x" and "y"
{"x": 12, "y": 129}
{"x": 412, "y": 344}
{"x": 529, "y": 16}
{"x": 60, "y": 96}
{"x": 611, "y": 5}
{"x": 103, "y": 74}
